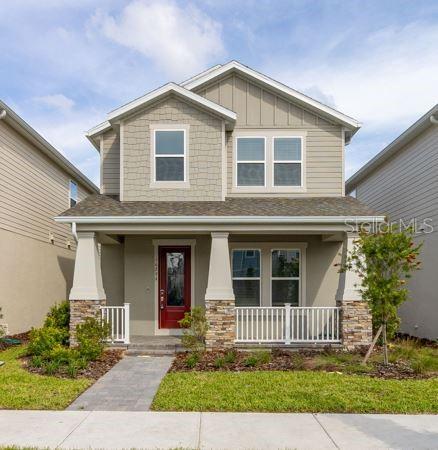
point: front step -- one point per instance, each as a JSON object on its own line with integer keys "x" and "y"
{"x": 150, "y": 352}
{"x": 154, "y": 346}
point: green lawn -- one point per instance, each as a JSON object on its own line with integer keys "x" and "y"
{"x": 20, "y": 389}
{"x": 294, "y": 392}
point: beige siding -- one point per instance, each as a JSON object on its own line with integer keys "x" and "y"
{"x": 406, "y": 187}
{"x": 258, "y": 108}
{"x": 110, "y": 163}
{"x": 204, "y": 150}
{"x": 139, "y": 269}
{"x": 33, "y": 190}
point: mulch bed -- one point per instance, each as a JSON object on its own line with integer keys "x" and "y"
{"x": 290, "y": 361}
{"x": 94, "y": 370}
{"x": 23, "y": 337}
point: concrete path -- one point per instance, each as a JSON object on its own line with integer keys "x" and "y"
{"x": 129, "y": 386}
{"x": 167, "y": 430}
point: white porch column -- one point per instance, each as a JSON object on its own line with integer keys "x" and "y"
{"x": 219, "y": 296}
{"x": 220, "y": 286}
{"x": 355, "y": 318}
{"x": 87, "y": 294}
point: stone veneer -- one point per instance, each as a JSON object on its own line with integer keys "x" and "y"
{"x": 222, "y": 323}
{"x": 355, "y": 324}
{"x": 79, "y": 311}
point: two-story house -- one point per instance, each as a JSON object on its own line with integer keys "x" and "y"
{"x": 36, "y": 253}
{"x": 225, "y": 191}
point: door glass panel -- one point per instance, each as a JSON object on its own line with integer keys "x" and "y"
{"x": 175, "y": 278}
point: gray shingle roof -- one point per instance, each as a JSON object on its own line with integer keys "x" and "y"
{"x": 102, "y": 205}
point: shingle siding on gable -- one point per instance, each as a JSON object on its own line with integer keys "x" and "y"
{"x": 110, "y": 161}
{"x": 259, "y": 108}
{"x": 204, "y": 149}
{"x": 406, "y": 185}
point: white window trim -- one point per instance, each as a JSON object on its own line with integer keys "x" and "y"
{"x": 298, "y": 161}
{"x": 269, "y": 135}
{"x": 266, "y": 249}
{"x": 69, "y": 193}
{"x": 169, "y": 184}
{"x": 271, "y": 278}
{"x": 236, "y": 162}
{"x": 259, "y": 278}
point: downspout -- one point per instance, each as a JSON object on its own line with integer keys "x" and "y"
{"x": 2, "y": 114}
{"x": 433, "y": 119}
{"x": 73, "y": 231}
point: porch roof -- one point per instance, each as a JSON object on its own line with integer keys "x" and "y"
{"x": 102, "y": 206}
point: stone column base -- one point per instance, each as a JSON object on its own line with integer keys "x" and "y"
{"x": 221, "y": 320}
{"x": 355, "y": 324}
{"x": 79, "y": 311}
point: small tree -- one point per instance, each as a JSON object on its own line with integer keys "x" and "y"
{"x": 195, "y": 329}
{"x": 384, "y": 260}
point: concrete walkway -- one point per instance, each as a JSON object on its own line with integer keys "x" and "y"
{"x": 129, "y": 386}
{"x": 167, "y": 430}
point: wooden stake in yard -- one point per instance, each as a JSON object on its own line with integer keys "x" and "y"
{"x": 370, "y": 350}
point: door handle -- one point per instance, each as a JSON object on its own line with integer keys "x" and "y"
{"x": 161, "y": 298}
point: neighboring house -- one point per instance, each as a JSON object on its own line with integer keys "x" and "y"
{"x": 226, "y": 191}
{"x": 402, "y": 182}
{"x": 36, "y": 253}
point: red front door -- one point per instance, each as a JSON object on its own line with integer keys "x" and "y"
{"x": 174, "y": 287}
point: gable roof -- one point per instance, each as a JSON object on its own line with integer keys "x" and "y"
{"x": 397, "y": 144}
{"x": 22, "y": 127}
{"x": 169, "y": 88}
{"x": 299, "y": 98}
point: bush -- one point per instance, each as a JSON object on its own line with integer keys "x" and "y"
{"x": 43, "y": 340}
{"x": 91, "y": 335}
{"x": 195, "y": 329}
{"x": 219, "y": 362}
{"x": 263, "y": 356}
{"x": 250, "y": 361}
{"x": 192, "y": 359}
{"x": 59, "y": 316}
{"x": 230, "y": 357}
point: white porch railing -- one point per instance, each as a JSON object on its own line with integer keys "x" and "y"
{"x": 118, "y": 319}
{"x": 287, "y": 325}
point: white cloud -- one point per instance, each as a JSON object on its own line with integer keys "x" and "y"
{"x": 56, "y": 101}
{"x": 179, "y": 40}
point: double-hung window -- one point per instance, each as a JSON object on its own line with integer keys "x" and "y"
{"x": 73, "y": 193}
{"x": 287, "y": 161}
{"x": 246, "y": 277}
{"x": 251, "y": 161}
{"x": 170, "y": 155}
{"x": 285, "y": 277}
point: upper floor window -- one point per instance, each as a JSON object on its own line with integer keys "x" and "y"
{"x": 287, "y": 161}
{"x": 73, "y": 193}
{"x": 251, "y": 161}
{"x": 170, "y": 155}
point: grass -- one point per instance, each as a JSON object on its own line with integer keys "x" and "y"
{"x": 298, "y": 391}
{"x": 20, "y": 389}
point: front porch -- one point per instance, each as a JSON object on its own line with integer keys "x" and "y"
{"x": 257, "y": 289}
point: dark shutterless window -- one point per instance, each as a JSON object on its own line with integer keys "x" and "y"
{"x": 246, "y": 277}
{"x": 250, "y": 161}
{"x": 73, "y": 193}
{"x": 169, "y": 155}
{"x": 285, "y": 277}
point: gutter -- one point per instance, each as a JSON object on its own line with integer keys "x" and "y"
{"x": 73, "y": 231}
{"x": 218, "y": 219}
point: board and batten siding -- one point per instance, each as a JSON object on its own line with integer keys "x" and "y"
{"x": 406, "y": 185}
{"x": 33, "y": 190}
{"x": 258, "y": 108}
{"x": 110, "y": 163}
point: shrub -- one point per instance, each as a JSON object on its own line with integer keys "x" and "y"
{"x": 195, "y": 329}
{"x": 192, "y": 359}
{"x": 51, "y": 367}
{"x": 250, "y": 361}
{"x": 297, "y": 360}
{"x": 36, "y": 361}
{"x": 59, "y": 317}
{"x": 230, "y": 357}
{"x": 43, "y": 340}
{"x": 219, "y": 362}
{"x": 91, "y": 335}
{"x": 263, "y": 356}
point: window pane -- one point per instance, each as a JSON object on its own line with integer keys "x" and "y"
{"x": 169, "y": 142}
{"x": 251, "y": 149}
{"x": 285, "y": 291}
{"x": 169, "y": 169}
{"x": 287, "y": 149}
{"x": 247, "y": 292}
{"x": 250, "y": 174}
{"x": 287, "y": 174}
{"x": 285, "y": 263}
{"x": 175, "y": 278}
{"x": 246, "y": 263}
{"x": 73, "y": 193}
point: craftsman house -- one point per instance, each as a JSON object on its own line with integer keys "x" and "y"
{"x": 225, "y": 191}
